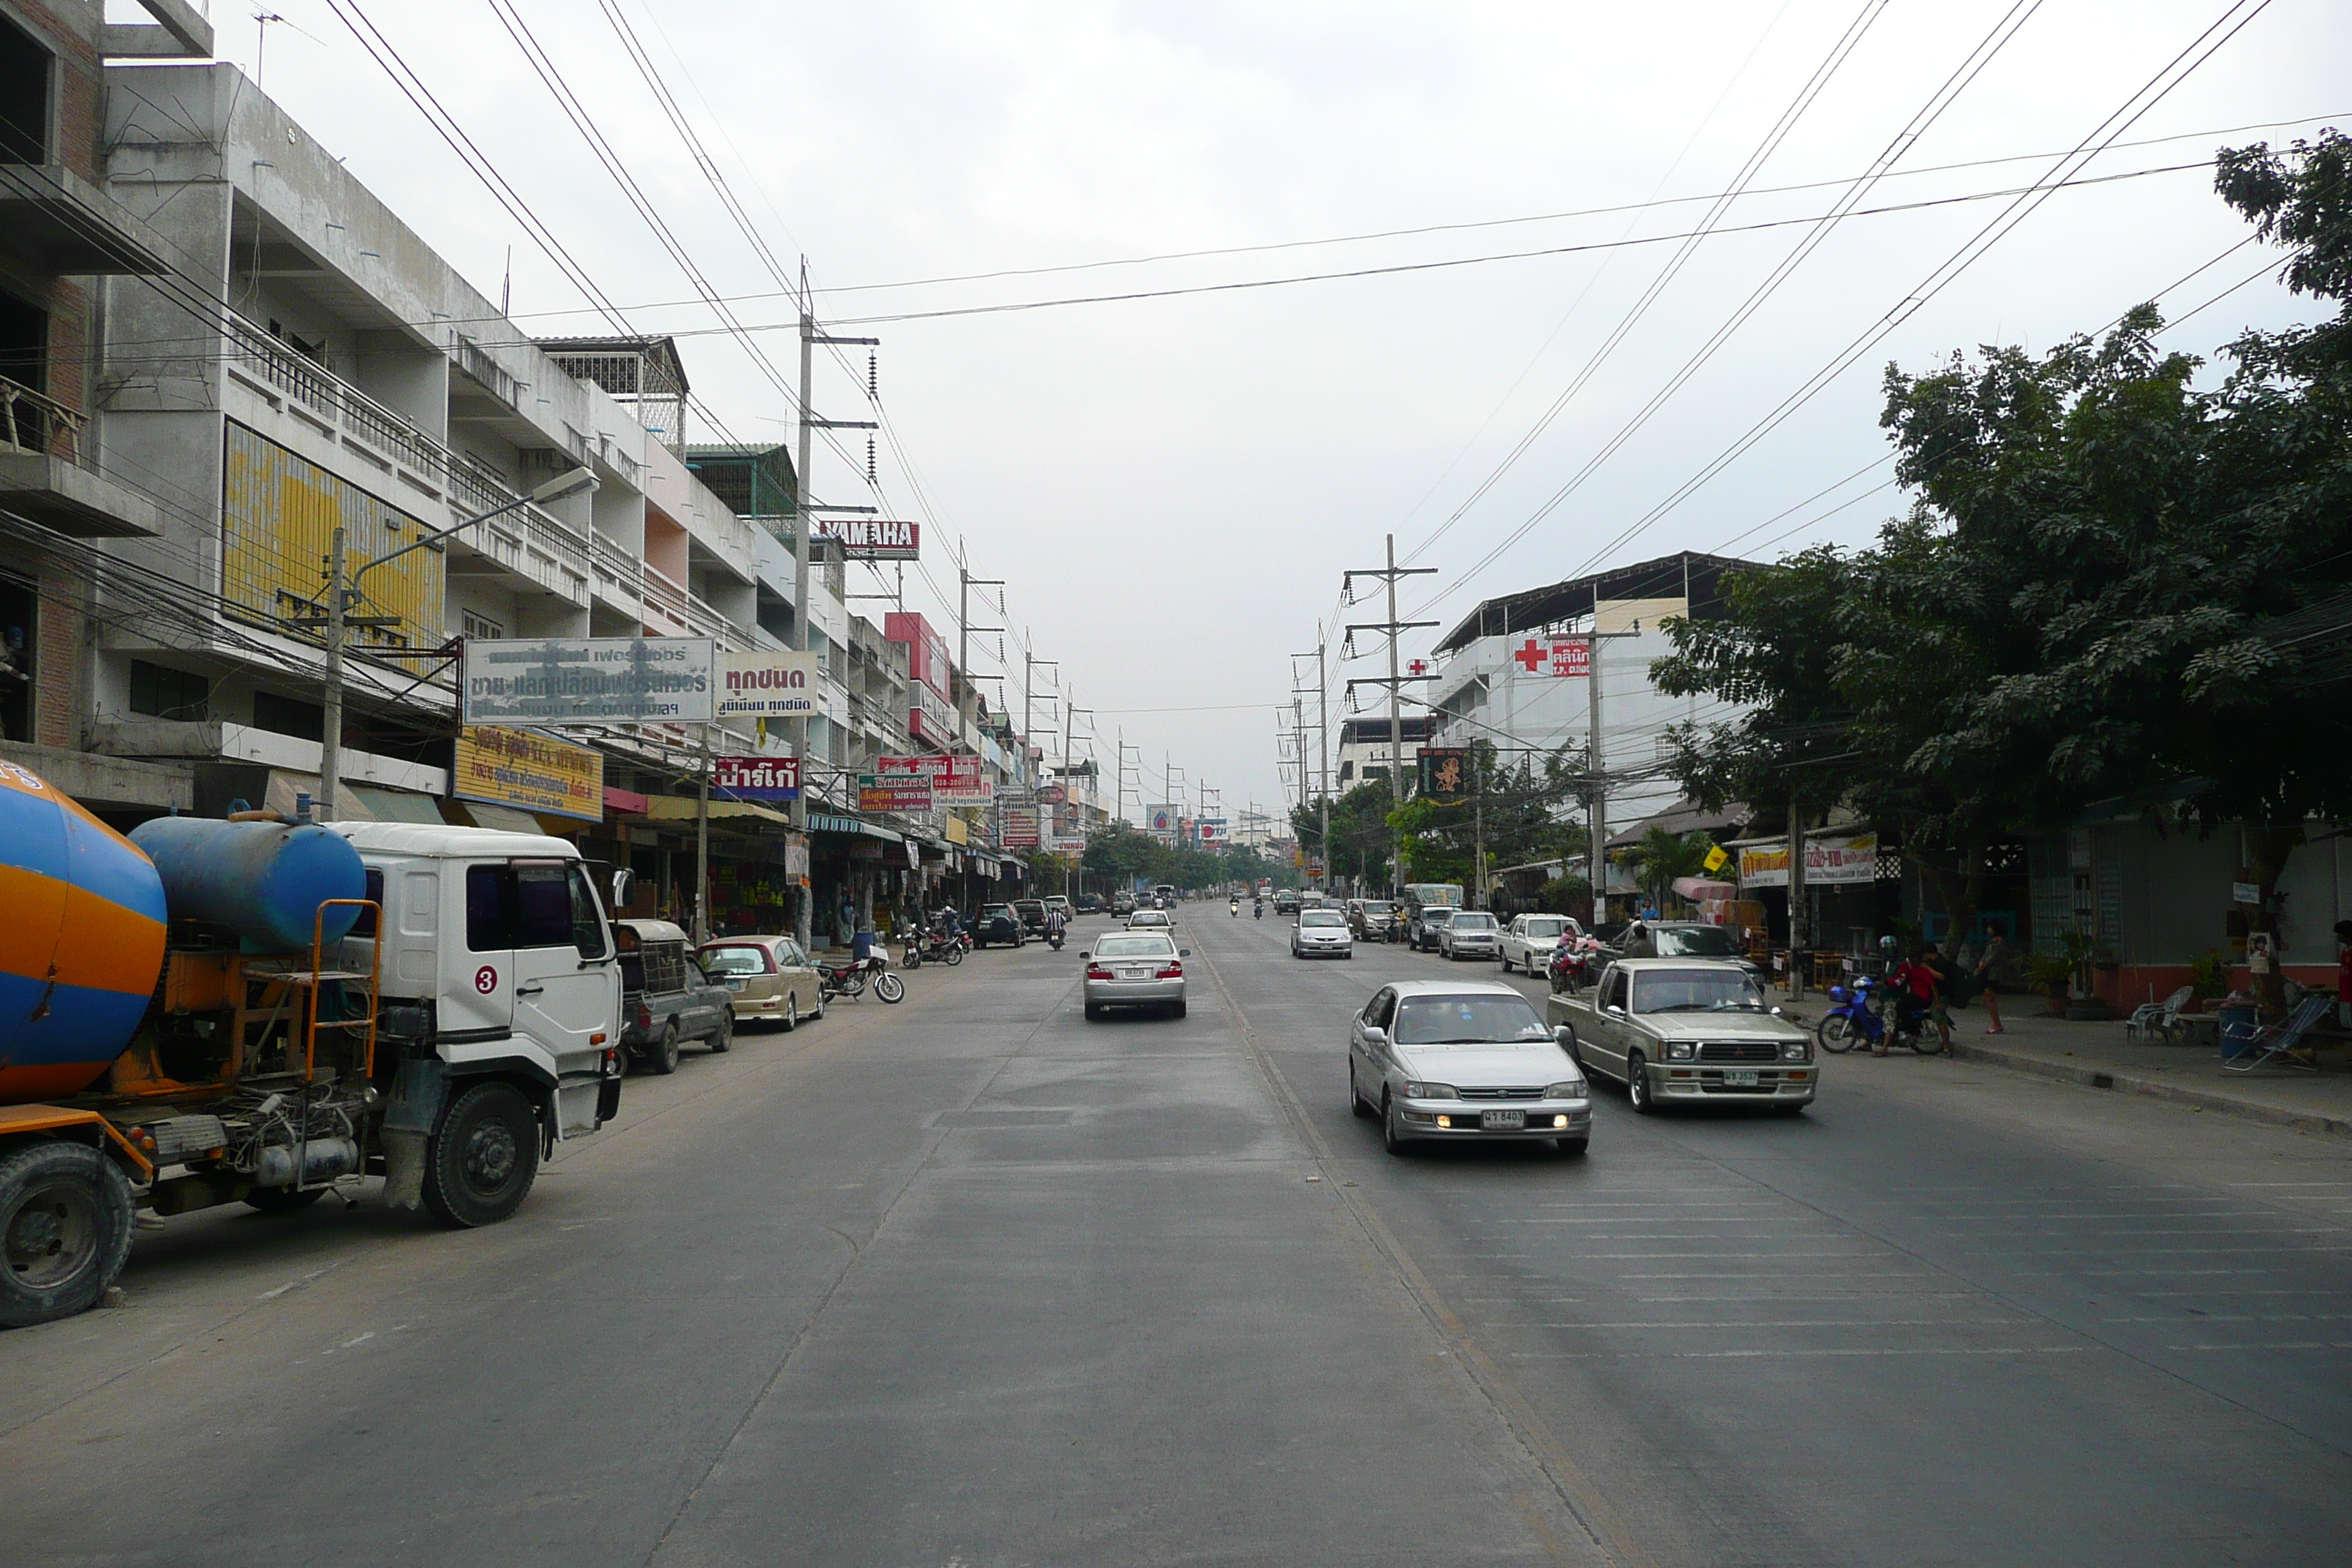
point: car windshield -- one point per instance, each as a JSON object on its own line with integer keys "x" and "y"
{"x": 990, "y": 911}
{"x": 1322, "y": 917}
{"x": 1134, "y": 947}
{"x": 1474, "y": 1020}
{"x": 1724, "y": 990}
{"x": 735, "y": 960}
{"x": 1472, "y": 922}
{"x": 1151, "y": 917}
{"x": 1435, "y": 917}
{"x": 1546, "y": 928}
{"x": 1695, "y": 942}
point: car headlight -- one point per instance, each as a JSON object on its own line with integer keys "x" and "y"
{"x": 1797, "y": 1051}
{"x": 1679, "y": 1051}
{"x": 1573, "y": 1088}
{"x": 1418, "y": 1090}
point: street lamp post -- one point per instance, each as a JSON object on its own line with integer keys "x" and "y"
{"x": 344, "y": 591}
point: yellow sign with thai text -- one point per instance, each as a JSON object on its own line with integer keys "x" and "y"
{"x": 525, "y": 768}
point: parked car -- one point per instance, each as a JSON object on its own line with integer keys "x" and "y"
{"x": 1527, "y": 941}
{"x": 1321, "y": 933}
{"x": 1683, "y": 1030}
{"x": 768, "y": 978}
{"x": 1442, "y": 1060}
{"x": 1135, "y": 969}
{"x": 1470, "y": 933}
{"x": 665, "y": 998}
{"x": 1424, "y": 930}
{"x": 997, "y": 926}
{"x": 1033, "y": 915}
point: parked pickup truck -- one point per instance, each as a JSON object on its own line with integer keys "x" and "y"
{"x": 1686, "y": 1031}
{"x": 666, "y": 997}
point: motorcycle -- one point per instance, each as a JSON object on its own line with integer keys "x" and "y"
{"x": 1257, "y": 912}
{"x": 938, "y": 947}
{"x": 1237, "y": 909}
{"x": 1054, "y": 938}
{"x": 1570, "y": 969}
{"x": 851, "y": 979}
{"x": 1857, "y": 1017}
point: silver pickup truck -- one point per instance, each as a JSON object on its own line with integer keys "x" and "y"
{"x": 1688, "y": 1031}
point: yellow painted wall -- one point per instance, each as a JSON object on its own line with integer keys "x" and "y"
{"x": 279, "y": 512}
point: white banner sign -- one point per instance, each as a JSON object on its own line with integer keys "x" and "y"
{"x": 592, "y": 680}
{"x": 767, "y": 685}
{"x": 1829, "y": 858}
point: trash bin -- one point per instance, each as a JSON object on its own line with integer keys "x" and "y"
{"x": 2238, "y": 1023}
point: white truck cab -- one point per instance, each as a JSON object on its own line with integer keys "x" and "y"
{"x": 498, "y": 967}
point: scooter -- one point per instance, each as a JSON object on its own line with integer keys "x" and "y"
{"x": 1853, "y": 1019}
{"x": 1257, "y": 912}
{"x": 1236, "y": 907}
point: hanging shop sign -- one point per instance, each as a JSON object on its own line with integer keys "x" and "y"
{"x": 756, "y": 778}
{"x": 592, "y": 680}
{"x": 926, "y": 650}
{"x": 869, "y": 537}
{"x": 1160, "y": 819}
{"x": 1444, "y": 772}
{"x": 530, "y": 771}
{"x": 956, "y": 779}
{"x": 1020, "y": 827}
{"x": 929, "y": 718}
{"x": 1051, "y": 795}
{"x": 1830, "y": 858}
{"x": 1068, "y": 844}
{"x": 796, "y": 860}
{"x": 910, "y": 793}
{"x": 767, "y": 685}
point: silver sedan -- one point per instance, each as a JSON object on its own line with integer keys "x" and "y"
{"x": 1436, "y": 1061}
{"x": 1321, "y": 933}
{"x": 1135, "y": 969}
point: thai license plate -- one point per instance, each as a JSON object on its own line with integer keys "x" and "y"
{"x": 1146, "y": 974}
{"x": 1502, "y": 1121}
{"x": 735, "y": 983}
{"x": 1738, "y": 1079}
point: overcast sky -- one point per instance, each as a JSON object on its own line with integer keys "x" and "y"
{"x": 1172, "y": 486}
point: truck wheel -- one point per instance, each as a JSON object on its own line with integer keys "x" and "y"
{"x": 724, "y": 1040}
{"x": 282, "y": 1200}
{"x": 66, "y": 1217}
{"x": 1638, "y": 1093}
{"x": 479, "y": 1166}
{"x": 665, "y": 1050}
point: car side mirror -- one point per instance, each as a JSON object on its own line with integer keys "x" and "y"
{"x": 1614, "y": 1007}
{"x": 1183, "y": 952}
{"x": 1085, "y": 958}
{"x": 1776, "y": 1012}
{"x": 1563, "y": 1037}
{"x": 1374, "y": 1035}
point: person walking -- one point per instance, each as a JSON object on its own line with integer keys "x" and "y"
{"x": 1990, "y": 964}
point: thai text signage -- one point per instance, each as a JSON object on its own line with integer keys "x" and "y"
{"x": 928, "y": 719}
{"x": 955, "y": 779}
{"x": 869, "y": 538}
{"x": 535, "y": 773}
{"x": 1213, "y": 831}
{"x": 1829, "y": 858}
{"x": 907, "y": 793}
{"x": 1557, "y": 656}
{"x": 767, "y": 685}
{"x": 592, "y": 680}
{"x": 1020, "y": 827}
{"x": 756, "y": 778}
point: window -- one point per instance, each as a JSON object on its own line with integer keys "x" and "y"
{"x": 533, "y": 904}
{"x": 1135, "y": 947}
{"x": 288, "y": 716}
{"x": 745, "y": 960}
{"x": 1614, "y": 995}
{"x": 489, "y": 909}
{"x": 1719, "y": 990}
{"x": 1467, "y": 1020}
{"x": 543, "y": 904}
{"x": 482, "y": 626}
{"x": 1377, "y": 1014}
{"x": 365, "y": 924}
{"x": 587, "y": 913}
{"x": 165, "y": 693}
{"x": 24, "y": 97}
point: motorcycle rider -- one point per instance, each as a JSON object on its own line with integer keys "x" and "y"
{"x": 1257, "y": 908}
{"x": 1235, "y": 905}
{"x": 1053, "y": 925}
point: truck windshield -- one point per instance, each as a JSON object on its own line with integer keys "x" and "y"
{"x": 1696, "y": 991}
{"x": 1695, "y": 942}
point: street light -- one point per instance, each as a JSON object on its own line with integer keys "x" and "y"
{"x": 342, "y": 592}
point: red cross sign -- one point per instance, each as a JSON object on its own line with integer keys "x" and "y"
{"x": 1534, "y": 656}
{"x": 1419, "y": 667}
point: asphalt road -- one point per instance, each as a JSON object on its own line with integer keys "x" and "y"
{"x": 972, "y": 1281}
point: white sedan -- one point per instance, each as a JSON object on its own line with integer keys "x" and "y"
{"x": 1528, "y": 943}
{"x": 1321, "y": 933}
{"x": 1432, "y": 1060}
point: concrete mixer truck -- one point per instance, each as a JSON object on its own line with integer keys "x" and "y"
{"x": 257, "y": 1010}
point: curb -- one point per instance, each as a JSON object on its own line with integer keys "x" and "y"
{"x": 2091, "y": 1076}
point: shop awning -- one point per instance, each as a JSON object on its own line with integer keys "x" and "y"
{"x": 677, "y": 808}
{"x": 397, "y": 804}
{"x": 505, "y": 818}
{"x": 822, "y": 822}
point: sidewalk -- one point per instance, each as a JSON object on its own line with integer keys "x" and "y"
{"x": 2097, "y": 1054}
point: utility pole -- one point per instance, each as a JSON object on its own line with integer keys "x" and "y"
{"x": 1029, "y": 663}
{"x": 1599, "y": 857}
{"x": 803, "y": 510}
{"x": 965, "y": 584}
{"x": 1800, "y": 915}
{"x": 1068, "y": 712}
{"x": 1394, "y": 628}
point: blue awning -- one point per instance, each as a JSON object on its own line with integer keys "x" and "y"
{"x": 822, "y": 822}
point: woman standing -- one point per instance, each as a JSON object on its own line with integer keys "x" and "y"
{"x": 1988, "y": 965}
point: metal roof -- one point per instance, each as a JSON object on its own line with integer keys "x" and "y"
{"x": 1686, "y": 574}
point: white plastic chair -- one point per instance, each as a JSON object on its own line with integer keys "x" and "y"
{"x": 2158, "y": 1018}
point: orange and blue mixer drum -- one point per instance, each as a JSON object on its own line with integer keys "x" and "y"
{"x": 81, "y": 940}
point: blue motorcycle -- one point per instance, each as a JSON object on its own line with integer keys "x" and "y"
{"x": 1855, "y": 1018}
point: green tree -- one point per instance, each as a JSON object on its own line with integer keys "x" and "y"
{"x": 1659, "y": 856}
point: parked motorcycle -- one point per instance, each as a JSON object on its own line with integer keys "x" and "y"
{"x": 1570, "y": 969}
{"x": 851, "y": 979}
{"x": 937, "y": 947}
{"x": 1859, "y": 1015}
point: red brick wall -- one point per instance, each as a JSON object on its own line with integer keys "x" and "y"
{"x": 57, "y": 663}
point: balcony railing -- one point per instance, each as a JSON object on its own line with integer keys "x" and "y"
{"x": 34, "y": 422}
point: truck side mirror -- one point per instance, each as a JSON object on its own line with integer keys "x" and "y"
{"x": 623, "y": 880}
{"x": 1564, "y": 1037}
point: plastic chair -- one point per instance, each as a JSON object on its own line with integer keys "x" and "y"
{"x": 2158, "y": 1018}
{"x": 2277, "y": 1043}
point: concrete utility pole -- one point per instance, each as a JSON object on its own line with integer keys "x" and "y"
{"x": 1394, "y": 628}
{"x": 1800, "y": 922}
{"x": 803, "y": 517}
{"x": 965, "y": 584}
{"x": 1029, "y": 663}
{"x": 334, "y": 620}
{"x": 1599, "y": 856}
{"x": 1069, "y": 866}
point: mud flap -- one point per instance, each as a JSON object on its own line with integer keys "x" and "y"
{"x": 418, "y": 1094}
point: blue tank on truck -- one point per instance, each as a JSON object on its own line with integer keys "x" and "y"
{"x": 264, "y": 880}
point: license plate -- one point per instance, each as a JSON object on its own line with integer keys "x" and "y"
{"x": 1142, "y": 974}
{"x": 1502, "y": 1121}
{"x": 736, "y": 984}
{"x": 1738, "y": 1079}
